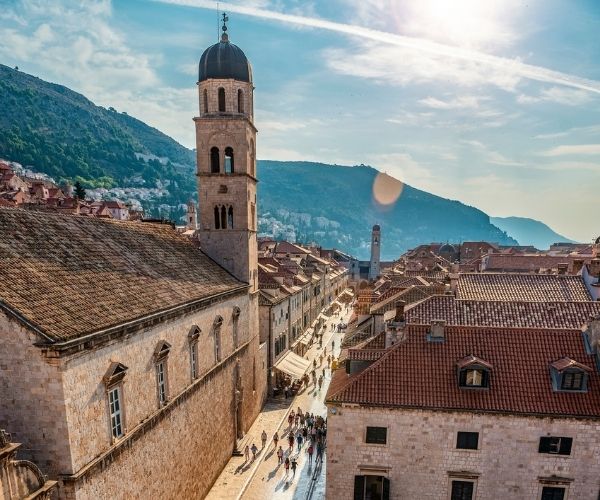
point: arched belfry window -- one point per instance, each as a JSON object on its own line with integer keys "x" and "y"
{"x": 240, "y": 101}
{"x": 214, "y": 160}
{"x": 205, "y": 100}
{"x": 230, "y": 218}
{"x": 229, "y": 160}
{"x": 221, "y": 100}
{"x": 223, "y": 218}
{"x": 217, "y": 219}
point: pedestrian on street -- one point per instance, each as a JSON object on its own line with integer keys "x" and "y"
{"x": 321, "y": 359}
{"x": 286, "y": 464}
{"x": 286, "y": 392}
{"x": 290, "y": 418}
{"x": 325, "y": 351}
{"x": 310, "y": 451}
{"x": 324, "y": 372}
{"x": 320, "y": 381}
{"x": 275, "y": 439}
{"x": 299, "y": 439}
{"x": 291, "y": 441}
{"x": 314, "y": 363}
{"x": 294, "y": 467}
{"x": 319, "y": 452}
{"x": 280, "y": 455}
{"x": 299, "y": 411}
{"x": 332, "y": 345}
{"x": 296, "y": 420}
{"x": 254, "y": 450}
{"x": 304, "y": 433}
{"x": 247, "y": 452}
{"x": 263, "y": 438}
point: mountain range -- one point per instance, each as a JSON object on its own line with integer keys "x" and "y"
{"x": 61, "y": 133}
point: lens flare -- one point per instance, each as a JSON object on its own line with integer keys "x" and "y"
{"x": 386, "y": 189}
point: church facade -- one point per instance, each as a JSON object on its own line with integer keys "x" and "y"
{"x": 131, "y": 362}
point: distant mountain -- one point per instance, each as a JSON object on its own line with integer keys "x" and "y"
{"x": 68, "y": 137}
{"x": 335, "y": 206}
{"x": 61, "y": 133}
{"x": 529, "y": 231}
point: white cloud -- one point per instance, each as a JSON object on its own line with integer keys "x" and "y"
{"x": 559, "y": 95}
{"x": 592, "y": 129}
{"x": 573, "y": 149}
{"x": 460, "y": 102}
{"x": 491, "y": 156}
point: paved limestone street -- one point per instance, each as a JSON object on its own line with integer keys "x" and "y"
{"x": 264, "y": 478}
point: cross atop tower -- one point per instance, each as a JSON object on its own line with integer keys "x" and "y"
{"x": 224, "y": 36}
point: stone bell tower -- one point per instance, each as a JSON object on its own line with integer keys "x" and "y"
{"x": 374, "y": 264}
{"x": 226, "y": 160}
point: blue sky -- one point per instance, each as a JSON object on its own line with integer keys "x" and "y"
{"x": 495, "y": 103}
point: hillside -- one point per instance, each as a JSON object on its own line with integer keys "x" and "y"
{"x": 68, "y": 137}
{"x": 334, "y": 206}
{"x": 61, "y": 133}
{"x": 529, "y": 231}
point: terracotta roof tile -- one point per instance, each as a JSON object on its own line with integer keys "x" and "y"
{"x": 521, "y": 287}
{"x": 515, "y": 314}
{"x": 71, "y": 276}
{"x": 421, "y": 374}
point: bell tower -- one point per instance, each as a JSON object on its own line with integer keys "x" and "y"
{"x": 226, "y": 160}
{"x": 374, "y": 264}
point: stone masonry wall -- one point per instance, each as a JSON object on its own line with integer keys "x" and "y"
{"x": 32, "y": 402}
{"x": 421, "y": 452}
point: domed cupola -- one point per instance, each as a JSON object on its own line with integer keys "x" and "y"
{"x": 224, "y": 60}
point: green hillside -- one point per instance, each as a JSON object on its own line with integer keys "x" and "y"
{"x": 66, "y": 136}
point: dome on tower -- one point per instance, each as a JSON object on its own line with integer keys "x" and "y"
{"x": 376, "y": 227}
{"x": 447, "y": 248}
{"x": 224, "y": 60}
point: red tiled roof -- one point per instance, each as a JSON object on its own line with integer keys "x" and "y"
{"x": 421, "y": 374}
{"x": 287, "y": 247}
{"x": 522, "y": 287}
{"x": 526, "y": 263}
{"x": 503, "y": 314}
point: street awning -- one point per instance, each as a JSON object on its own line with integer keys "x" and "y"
{"x": 292, "y": 364}
{"x": 305, "y": 339}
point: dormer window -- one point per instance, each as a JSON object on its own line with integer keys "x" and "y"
{"x": 473, "y": 373}
{"x": 569, "y": 375}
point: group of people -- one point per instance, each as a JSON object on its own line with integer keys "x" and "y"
{"x": 303, "y": 428}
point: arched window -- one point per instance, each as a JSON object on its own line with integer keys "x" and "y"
{"x": 221, "y": 100}
{"x": 252, "y": 159}
{"x": 217, "y": 219}
{"x": 217, "y": 333}
{"x": 214, "y": 160}
{"x": 230, "y": 218}
{"x": 236, "y": 317}
{"x": 240, "y": 101}
{"x": 229, "y": 160}
{"x": 223, "y": 218}
{"x": 205, "y": 98}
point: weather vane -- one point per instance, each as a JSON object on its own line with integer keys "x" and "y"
{"x": 225, "y": 19}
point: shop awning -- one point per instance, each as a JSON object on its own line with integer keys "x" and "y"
{"x": 292, "y": 364}
{"x": 305, "y": 339}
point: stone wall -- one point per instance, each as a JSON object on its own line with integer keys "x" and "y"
{"x": 33, "y": 402}
{"x": 420, "y": 455}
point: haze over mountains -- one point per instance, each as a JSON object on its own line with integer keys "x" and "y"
{"x": 61, "y": 133}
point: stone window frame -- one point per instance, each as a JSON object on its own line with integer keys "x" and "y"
{"x": 216, "y": 330}
{"x": 554, "y": 482}
{"x": 376, "y": 443}
{"x": 235, "y": 320}
{"x": 161, "y": 367}
{"x": 240, "y": 101}
{"x": 221, "y": 100}
{"x": 562, "y": 445}
{"x": 193, "y": 336}
{"x": 464, "y": 476}
{"x": 463, "y": 448}
{"x": 114, "y": 380}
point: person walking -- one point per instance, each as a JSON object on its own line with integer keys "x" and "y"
{"x": 319, "y": 452}
{"x": 254, "y": 450}
{"x": 294, "y": 464}
{"x": 320, "y": 381}
{"x": 275, "y": 439}
{"x": 324, "y": 371}
{"x": 299, "y": 440}
{"x": 263, "y": 438}
{"x": 279, "y": 455}
{"x": 291, "y": 418}
{"x": 247, "y": 453}
{"x": 296, "y": 420}
{"x": 291, "y": 441}
{"x": 310, "y": 451}
{"x": 304, "y": 433}
{"x": 286, "y": 464}
{"x": 315, "y": 363}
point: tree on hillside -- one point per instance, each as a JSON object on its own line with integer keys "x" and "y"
{"x": 79, "y": 191}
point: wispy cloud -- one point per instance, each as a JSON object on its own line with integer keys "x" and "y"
{"x": 559, "y": 95}
{"x": 573, "y": 149}
{"x": 460, "y": 102}
{"x": 491, "y": 156}
{"x": 592, "y": 129}
{"x": 513, "y": 67}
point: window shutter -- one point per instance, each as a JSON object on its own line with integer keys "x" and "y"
{"x": 359, "y": 487}
{"x": 565, "y": 446}
{"x": 386, "y": 488}
{"x": 544, "y": 445}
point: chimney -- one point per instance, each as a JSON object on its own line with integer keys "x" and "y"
{"x": 594, "y": 267}
{"x": 592, "y": 329}
{"x": 436, "y": 332}
{"x": 455, "y": 268}
{"x": 563, "y": 268}
{"x": 577, "y": 265}
{"x": 399, "y": 311}
{"x": 453, "y": 281}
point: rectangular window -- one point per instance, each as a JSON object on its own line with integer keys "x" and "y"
{"x": 116, "y": 416}
{"x": 572, "y": 381}
{"x": 555, "y": 445}
{"x": 467, "y": 440}
{"x": 194, "y": 360}
{"x": 462, "y": 490}
{"x": 162, "y": 382}
{"x": 376, "y": 435}
{"x": 553, "y": 493}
